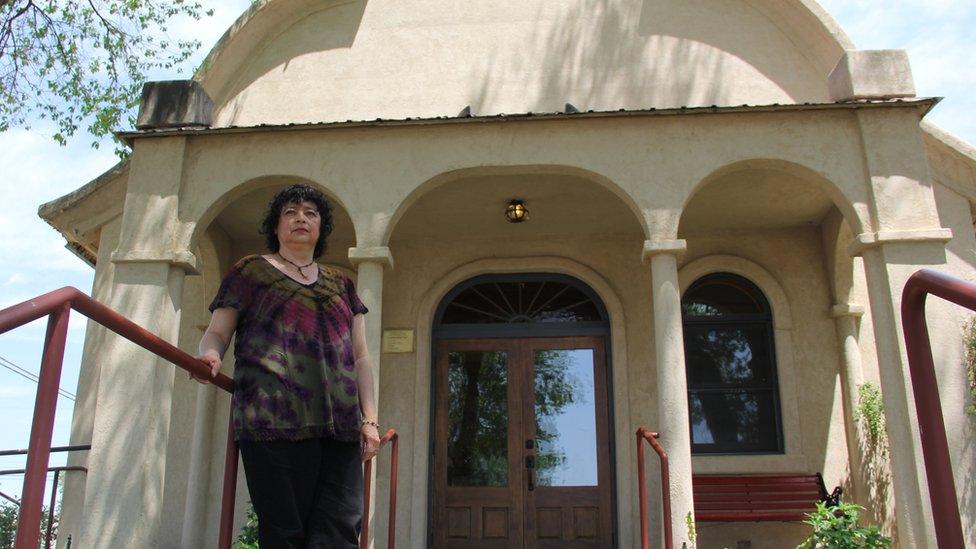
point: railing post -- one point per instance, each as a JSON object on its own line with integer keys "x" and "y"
{"x": 394, "y": 459}
{"x": 390, "y": 436}
{"x": 42, "y": 428}
{"x": 928, "y": 406}
{"x": 644, "y": 435}
{"x": 642, "y": 490}
{"x": 230, "y": 489}
{"x": 50, "y": 509}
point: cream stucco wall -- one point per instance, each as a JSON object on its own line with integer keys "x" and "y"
{"x": 645, "y": 169}
{"x": 783, "y": 198}
{"x": 359, "y": 60}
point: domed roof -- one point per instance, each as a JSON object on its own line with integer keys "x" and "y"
{"x": 295, "y": 61}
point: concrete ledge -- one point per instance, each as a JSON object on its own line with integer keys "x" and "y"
{"x": 846, "y": 309}
{"x": 183, "y": 260}
{"x": 379, "y": 254}
{"x": 865, "y": 241}
{"x": 655, "y": 247}
{"x": 871, "y": 74}
{"x": 174, "y": 104}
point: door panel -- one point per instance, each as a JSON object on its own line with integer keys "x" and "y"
{"x": 476, "y": 458}
{"x": 521, "y": 448}
{"x": 565, "y": 406}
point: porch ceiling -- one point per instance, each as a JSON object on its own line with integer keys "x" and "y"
{"x": 474, "y": 208}
{"x": 241, "y": 221}
{"x": 755, "y": 199}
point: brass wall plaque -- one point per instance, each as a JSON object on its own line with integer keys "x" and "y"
{"x": 397, "y": 341}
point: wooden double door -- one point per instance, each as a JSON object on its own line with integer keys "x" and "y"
{"x": 521, "y": 444}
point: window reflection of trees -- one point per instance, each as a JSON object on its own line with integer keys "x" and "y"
{"x": 555, "y": 388}
{"x": 729, "y": 357}
{"x": 478, "y": 415}
{"x": 477, "y": 431}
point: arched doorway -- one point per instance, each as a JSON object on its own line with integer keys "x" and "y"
{"x": 522, "y": 448}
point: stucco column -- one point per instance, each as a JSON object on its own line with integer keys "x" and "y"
{"x": 370, "y": 263}
{"x": 852, "y": 376}
{"x": 202, "y": 452}
{"x": 127, "y": 462}
{"x": 672, "y": 386}
{"x": 130, "y": 435}
{"x": 905, "y": 234}
{"x": 888, "y": 263}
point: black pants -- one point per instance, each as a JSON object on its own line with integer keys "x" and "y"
{"x": 307, "y": 494}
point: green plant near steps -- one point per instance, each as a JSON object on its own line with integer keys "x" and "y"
{"x": 969, "y": 338}
{"x": 870, "y": 411}
{"x": 248, "y": 538}
{"x": 692, "y": 532}
{"x": 837, "y": 527}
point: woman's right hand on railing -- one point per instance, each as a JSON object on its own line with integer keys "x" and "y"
{"x": 212, "y": 360}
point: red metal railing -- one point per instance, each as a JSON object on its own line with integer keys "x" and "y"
{"x": 935, "y": 446}
{"x": 390, "y": 436}
{"x": 651, "y": 437}
{"x": 57, "y": 305}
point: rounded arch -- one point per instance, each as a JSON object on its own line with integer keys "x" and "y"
{"x": 808, "y": 45}
{"x": 219, "y": 204}
{"x": 751, "y": 271}
{"x": 426, "y": 311}
{"x": 785, "y": 367}
{"x": 856, "y": 220}
{"x": 264, "y": 18}
{"x": 449, "y": 177}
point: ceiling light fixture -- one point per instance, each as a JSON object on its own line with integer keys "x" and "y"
{"x": 516, "y": 212}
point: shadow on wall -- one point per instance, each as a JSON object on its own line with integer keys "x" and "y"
{"x": 656, "y": 53}
{"x": 875, "y": 470}
{"x": 327, "y": 28}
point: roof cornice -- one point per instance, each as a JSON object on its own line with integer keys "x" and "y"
{"x": 925, "y": 104}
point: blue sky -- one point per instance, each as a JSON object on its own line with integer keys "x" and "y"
{"x": 936, "y": 33}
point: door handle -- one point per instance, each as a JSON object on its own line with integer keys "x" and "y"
{"x": 530, "y": 466}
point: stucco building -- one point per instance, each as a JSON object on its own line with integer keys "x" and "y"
{"x": 725, "y": 198}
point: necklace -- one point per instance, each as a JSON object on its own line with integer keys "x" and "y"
{"x": 299, "y": 267}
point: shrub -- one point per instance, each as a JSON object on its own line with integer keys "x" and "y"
{"x": 838, "y": 528}
{"x": 248, "y": 539}
{"x": 969, "y": 338}
{"x": 870, "y": 411}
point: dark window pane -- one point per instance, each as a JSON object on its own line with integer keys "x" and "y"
{"x": 733, "y": 422}
{"x": 732, "y": 391}
{"x": 720, "y": 295}
{"x": 727, "y": 356}
{"x": 477, "y": 430}
{"x": 521, "y": 302}
{"x": 567, "y": 307}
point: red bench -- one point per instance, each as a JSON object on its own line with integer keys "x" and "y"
{"x": 754, "y": 498}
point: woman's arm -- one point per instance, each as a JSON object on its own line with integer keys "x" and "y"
{"x": 214, "y": 342}
{"x": 364, "y": 382}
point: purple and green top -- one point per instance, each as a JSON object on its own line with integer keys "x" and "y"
{"x": 295, "y": 372}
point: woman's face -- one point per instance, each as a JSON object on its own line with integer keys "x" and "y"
{"x": 299, "y": 224}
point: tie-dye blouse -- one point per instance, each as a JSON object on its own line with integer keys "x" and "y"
{"x": 295, "y": 372}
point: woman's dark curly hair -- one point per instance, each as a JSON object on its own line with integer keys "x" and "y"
{"x": 296, "y": 194}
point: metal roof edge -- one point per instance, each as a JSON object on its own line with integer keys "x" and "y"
{"x": 925, "y": 103}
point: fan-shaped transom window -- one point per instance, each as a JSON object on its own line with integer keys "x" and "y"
{"x": 521, "y": 305}
{"x": 521, "y": 300}
{"x": 733, "y": 396}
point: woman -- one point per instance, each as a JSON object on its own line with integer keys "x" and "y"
{"x": 304, "y": 407}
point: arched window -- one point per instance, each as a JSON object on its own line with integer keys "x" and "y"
{"x": 733, "y": 397}
{"x": 520, "y": 305}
